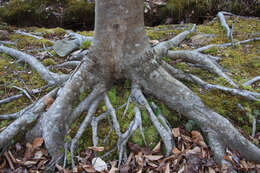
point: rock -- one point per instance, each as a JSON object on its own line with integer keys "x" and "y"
{"x": 202, "y": 39}
{"x": 4, "y": 35}
{"x": 65, "y": 47}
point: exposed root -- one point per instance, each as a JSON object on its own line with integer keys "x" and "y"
{"x": 94, "y": 125}
{"x": 7, "y": 42}
{"x": 28, "y": 34}
{"x": 164, "y": 133}
{"x": 180, "y": 98}
{"x": 257, "y": 78}
{"x": 166, "y": 124}
{"x": 218, "y": 148}
{"x": 29, "y": 115}
{"x": 78, "y": 55}
{"x": 112, "y": 112}
{"x": 68, "y": 64}
{"x": 134, "y": 124}
{"x": 253, "y": 127}
{"x": 191, "y": 78}
{"x": 57, "y": 119}
{"x": 201, "y": 49}
{"x": 31, "y": 92}
{"x": 80, "y": 38}
{"x": 25, "y": 93}
{"x": 9, "y": 99}
{"x": 50, "y": 77}
{"x": 83, "y": 126}
{"x": 127, "y": 106}
{"x": 162, "y": 48}
{"x": 196, "y": 57}
{"x": 224, "y": 24}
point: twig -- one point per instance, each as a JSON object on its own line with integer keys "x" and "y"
{"x": 251, "y": 81}
{"x": 25, "y": 92}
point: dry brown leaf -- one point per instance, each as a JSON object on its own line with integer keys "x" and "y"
{"x": 186, "y": 138}
{"x": 167, "y": 169}
{"x": 59, "y": 167}
{"x": 211, "y": 170}
{"x": 198, "y": 139}
{"x": 48, "y": 102}
{"x": 139, "y": 159}
{"x": 10, "y": 163}
{"x": 140, "y": 171}
{"x": 176, "y": 151}
{"x": 229, "y": 158}
{"x": 38, "y": 155}
{"x": 151, "y": 164}
{"x": 29, "y": 163}
{"x": 114, "y": 169}
{"x": 99, "y": 149}
{"x": 2, "y": 165}
{"x": 176, "y": 132}
{"x": 154, "y": 42}
{"x": 37, "y": 142}
{"x": 244, "y": 164}
{"x": 88, "y": 168}
{"x": 153, "y": 157}
{"x": 194, "y": 150}
{"x": 157, "y": 148}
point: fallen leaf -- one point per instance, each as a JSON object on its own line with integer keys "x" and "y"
{"x": 99, "y": 149}
{"x": 157, "y": 148}
{"x": 153, "y": 157}
{"x": 48, "y": 102}
{"x": 114, "y": 169}
{"x": 176, "y": 151}
{"x": 38, "y": 155}
{"x": 167, "y": 169}
{"x": 37, "y": 142}
{"x": 176, "y": 132}
{"x": 99, "y": 164}
{"x": 29, "y": 163}
{"x": 88, "y": 168}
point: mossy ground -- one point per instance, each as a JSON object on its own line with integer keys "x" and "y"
{"x": 242, "y": 63}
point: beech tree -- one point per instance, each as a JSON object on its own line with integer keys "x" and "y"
{"x": 120, "y": 50}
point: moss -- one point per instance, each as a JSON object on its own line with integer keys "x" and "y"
{"x": 87, "y": 33}
{"x": 85, "y": 45}
{"x": 48, "y": 62}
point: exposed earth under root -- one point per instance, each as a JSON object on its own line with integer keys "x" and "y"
{"x": 120, "y": 51}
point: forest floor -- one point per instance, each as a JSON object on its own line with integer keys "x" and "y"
{"x": 241, "y": 63}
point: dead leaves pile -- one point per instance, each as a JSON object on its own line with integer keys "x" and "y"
{"x": 28, "y": 158}
{"x": 191, "y": 155}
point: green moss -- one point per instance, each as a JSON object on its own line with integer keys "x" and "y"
{"x": 48, "y": 62}
{"x": 87, "y": 33}
{"x": 85, "y": 45}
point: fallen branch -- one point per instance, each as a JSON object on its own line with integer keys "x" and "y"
{"x": 28, "y": 34}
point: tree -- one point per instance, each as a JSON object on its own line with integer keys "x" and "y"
{"x": 120, "y": 50}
